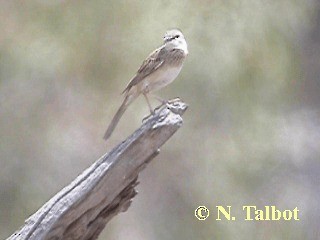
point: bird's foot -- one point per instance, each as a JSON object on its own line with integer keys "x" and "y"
{"x": 152, "y": 113}
{"x": 174, "y": 100}
{"x": 163, "y": 103}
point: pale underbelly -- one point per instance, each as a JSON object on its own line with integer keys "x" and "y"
{"x": 160, "y": 79}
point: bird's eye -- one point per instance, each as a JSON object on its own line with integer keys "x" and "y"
{"x": 171, "y": 37}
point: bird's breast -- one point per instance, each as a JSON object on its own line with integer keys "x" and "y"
{"x": 161, "y": 78}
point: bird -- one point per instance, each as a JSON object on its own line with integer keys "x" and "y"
{"x": 158, "y": 70}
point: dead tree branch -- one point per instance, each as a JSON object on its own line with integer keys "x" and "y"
{"x": 82, "y": 209}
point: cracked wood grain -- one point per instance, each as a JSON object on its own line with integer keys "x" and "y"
{"x": 82, "y": 209}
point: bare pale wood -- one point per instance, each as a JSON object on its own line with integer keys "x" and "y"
{"x": 82, "y": 209}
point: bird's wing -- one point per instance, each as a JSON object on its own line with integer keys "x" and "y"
{"x": 150, "y": 65}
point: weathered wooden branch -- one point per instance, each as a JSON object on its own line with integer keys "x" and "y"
{"x": 82, "y": 209}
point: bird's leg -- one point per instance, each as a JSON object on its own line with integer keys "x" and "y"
{"x": 163, "y": 101}
{"x": 149, "y": 105}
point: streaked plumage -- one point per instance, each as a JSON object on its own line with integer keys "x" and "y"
{"x": 159, "y": 69}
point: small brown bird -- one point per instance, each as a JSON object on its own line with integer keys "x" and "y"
{"x": 159, "y": 69}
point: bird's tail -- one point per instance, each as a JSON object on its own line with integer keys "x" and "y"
{"x": 117, "y": 117}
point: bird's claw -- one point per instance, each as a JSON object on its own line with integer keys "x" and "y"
{"x": 177, "y": 99}
{"x": 163, "y": 102}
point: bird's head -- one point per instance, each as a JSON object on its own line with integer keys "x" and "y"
{"x": 174, "y": 39}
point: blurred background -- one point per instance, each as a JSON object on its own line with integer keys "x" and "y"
{"x": 250, "y": 136}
